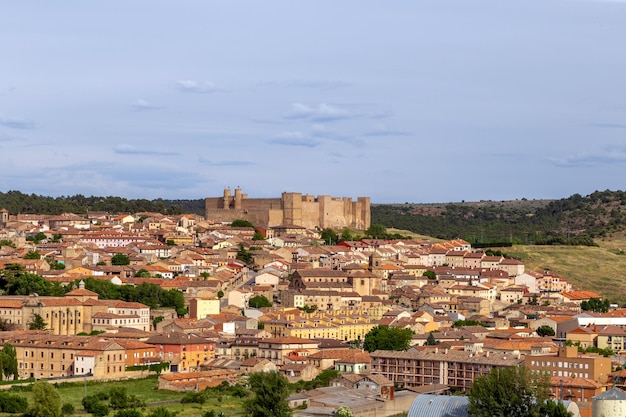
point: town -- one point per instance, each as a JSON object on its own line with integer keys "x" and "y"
{"x": 256, "y": 286}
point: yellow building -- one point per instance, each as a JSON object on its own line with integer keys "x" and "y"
{"x": 199, "y": 308}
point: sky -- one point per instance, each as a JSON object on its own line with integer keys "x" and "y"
{"x": 404, "y": 101}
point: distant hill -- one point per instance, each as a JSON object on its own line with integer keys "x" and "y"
{"x": 575, "y": 220}
{"x": 19, "y": 203}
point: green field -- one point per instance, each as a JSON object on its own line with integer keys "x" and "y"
{"x": 601, "y": 269}
{"x": 146, "y": 390}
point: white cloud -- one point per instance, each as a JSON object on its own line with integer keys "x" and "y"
{"x": 16, "y": 122}
{"x": 199, "y": 87}
{"x": 141, "y": 104}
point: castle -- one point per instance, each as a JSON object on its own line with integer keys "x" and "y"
{"x": 291, "y": 209}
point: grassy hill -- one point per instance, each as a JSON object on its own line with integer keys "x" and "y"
{"x": 601, "y": 268}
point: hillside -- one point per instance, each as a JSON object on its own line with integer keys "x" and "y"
{"x": 575, "y": 220}
{"x": 601, "y": 269}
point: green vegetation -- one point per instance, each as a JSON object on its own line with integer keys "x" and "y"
{"x": 545, "y": 330}
{"x": 259, "y": 301}
{"x": 596, "y": 305}
{"x": 575, "y": 220}
{"x": 241, "y": 223}
{"x": 8, "y": 362}
{"x": 244, "y": 255}
{"x": 512, "y": 392}
{"x": 270, "y": 390}
{"x": 120, "y": 259}
{"x": 463, "y": 323}
{"x": 46, "y": 401}
{"x": 12, "y": 403}
{"x": 387, "y": 338}
{"x": 37, "y": 323}
{"x": 17, "y": 202}
{"x": 32, "y": 254}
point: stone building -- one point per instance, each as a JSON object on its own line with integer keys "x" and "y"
{"x": 291, "y": 209}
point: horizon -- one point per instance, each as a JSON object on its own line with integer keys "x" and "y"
{"x": 414, "y": 101}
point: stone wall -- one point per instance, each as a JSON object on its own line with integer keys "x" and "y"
{"x": 292, "y": 208}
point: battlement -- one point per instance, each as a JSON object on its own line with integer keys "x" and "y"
{"x": 291, "y": 208}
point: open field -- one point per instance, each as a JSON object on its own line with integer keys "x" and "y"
{"x": 600, "y": 269}
{"x": 146, "y": 390}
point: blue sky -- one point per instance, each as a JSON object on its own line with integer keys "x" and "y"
{"x": 418, "y": 101}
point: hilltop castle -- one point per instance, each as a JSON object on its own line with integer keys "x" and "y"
{"x": 291, "y": 209}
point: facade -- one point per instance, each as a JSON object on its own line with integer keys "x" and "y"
{"x": 569, "y": 363}
{"x": 290, "y": 209}
{"x": 453, "y": 368}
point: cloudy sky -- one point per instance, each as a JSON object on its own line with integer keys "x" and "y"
{"x": 418, "y": 101}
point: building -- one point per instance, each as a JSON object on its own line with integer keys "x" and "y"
{"x": 290, "y": 209}
{"x": 569, "y": 363}
{"x": 414, "y": 368}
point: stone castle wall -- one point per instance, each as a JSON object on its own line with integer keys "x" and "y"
{"x": 291, "y": 208}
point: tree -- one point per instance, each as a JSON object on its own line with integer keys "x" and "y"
{"x": 595, "y": 304}
{"x": 545, "y": 330}
{"x": 329, "y": 236}
{"x": 120, "y": 259}
{"x": 512, "y": 392}
{"x": 346, "y": 234}
{"x": 344, "y": 411}
{"x": 554, "y": 409}
{"x": 46, "y": 401}
{"x": 32, "y": 254}
{"x": 220, "y": 294}
{"x": 37, "y": 323}
{"x": 430, "y": 340}
{"x": 241, "y": 223}
{"x": 376, "y": 231}
{"x": 271, "y": 390}
{"x": 244, "y": 255}
{"x": 9, "y": 361}
{"x": 387, "y": 338}
{"x": 142, "y": 273}
{"x": 258, "y": 236}
{"x": 259, "y": 301}
{"x": 430, "y": 274}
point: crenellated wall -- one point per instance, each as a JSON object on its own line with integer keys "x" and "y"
{"x": 292, "y": 208}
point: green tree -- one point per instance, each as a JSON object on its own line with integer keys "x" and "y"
{"x": 258, "y": 236}
{"x": 142, "y": 273}
{"x": 346, "y": 234}
{"x": 120, "y": 259}
{"x": 32, "y": 254}
{"x": 430, "y": 340}
{"x": 241, "y": 223}
{"x": 270, "y": 390}
{"x": 376, "y": 231}
{"x": 508, "y": 392}
{"x": 595, "y": 304}
{"x": 344, "y": 411}
{"x": 220, "y": 294}
{"x": 9, "y": 361}
{"x": 46, "y": 401}
{"x": 244, "y": 255}
{"x": 128, "y": 413}
{"x": 329, "y": 236}
{"x": 545, "y": 330}
{"x": 387, "y": 338}
{"x": 5, "y": 242}
{"x": 430, "y": 274}
{"x": 554, "y": 409}
{"x": 259, "y": 301}
{"x": 37, "y": 323}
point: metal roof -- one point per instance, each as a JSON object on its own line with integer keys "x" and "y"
{"x": 429, "y": 405}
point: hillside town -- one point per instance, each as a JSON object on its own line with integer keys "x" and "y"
{"x": 279, "y": 298}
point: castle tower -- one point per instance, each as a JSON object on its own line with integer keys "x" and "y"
{"x": 292, "y": 208}
{"x": 226, "y": 199}
{"x": 4, "y": 217}
{"x": 238, "y": 198}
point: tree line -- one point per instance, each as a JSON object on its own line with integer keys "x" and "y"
{"x": 575, "y": 220}
{"x": 17, "y": 202}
